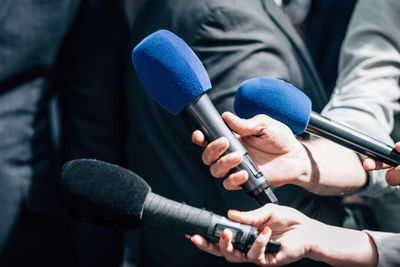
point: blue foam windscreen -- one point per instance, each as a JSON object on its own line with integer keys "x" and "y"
{"x": 169, "y": 70}
{"x": 275, "y": 98}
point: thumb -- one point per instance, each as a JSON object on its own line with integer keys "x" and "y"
{"x": 370, "y": 164}
{"x": 255, "y": 218}
{"x": 245, "y": 127}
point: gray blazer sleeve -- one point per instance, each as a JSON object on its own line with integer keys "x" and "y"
{"x": 367, "y": 91}
{"x": 388, "y": 246}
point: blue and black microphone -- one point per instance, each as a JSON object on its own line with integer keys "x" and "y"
{"x": 174, "y": 76}
{"x": 287, "y": 104}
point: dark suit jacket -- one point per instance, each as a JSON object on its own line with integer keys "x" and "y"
{"x": 46, "y": 47}
{"x": 236, "y": 40}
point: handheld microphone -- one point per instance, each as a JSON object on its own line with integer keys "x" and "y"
{"x": 174, "y": 76}
{"x": 284, "y": 102}
{"x": 105, "y": 194}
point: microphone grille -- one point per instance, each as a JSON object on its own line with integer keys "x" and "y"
{"x": 275, "y": 98}
{"x": 102, "y": 193}
{"x": 169, "y": 70}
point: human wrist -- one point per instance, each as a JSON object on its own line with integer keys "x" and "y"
{"x": 308, "y": 174}
{"x": 316, "y": 248}
{"x": 342, "y": 247}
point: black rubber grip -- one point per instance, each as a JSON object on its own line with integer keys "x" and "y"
{"x": 168, "y": 214}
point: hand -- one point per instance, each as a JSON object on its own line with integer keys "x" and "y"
{"x": 392, "y": 175}
{"x": 289, "y": 227}
{"x": 272, "y": 146}
{"x": 300, "y": 237}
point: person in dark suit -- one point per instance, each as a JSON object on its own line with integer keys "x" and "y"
{"x": 31, "y": 35}
{"x": 48, "y": 47}
{"x": 235, "y": 40}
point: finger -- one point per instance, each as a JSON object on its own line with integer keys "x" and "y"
{"x": 256, "y": 253}
{"x": 202, "y": 244}
{"x": 235, "y": 180}
{"x": 214, "y": 150}
{"x": 272, "y": 259}
{"x": 255, "y": 217}
{"x": 397, "y": 146}
{"x": 198, "y": 138}
{"x": 393, "y": 176}
{"x": 222, "y": 166}
{"x": 226, "y": 248}
{"x": 371, "y": 164}
{"x": 246, "y": 127}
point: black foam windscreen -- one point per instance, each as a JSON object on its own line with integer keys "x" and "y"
{"x": 102, "y": 193}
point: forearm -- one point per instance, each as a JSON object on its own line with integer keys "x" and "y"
{"x": 335, "y": 170}
{"x": 342, "y": 247}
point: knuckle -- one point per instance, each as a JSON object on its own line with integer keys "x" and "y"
{"x": 259, "y": 243}
{"x": 227, "y": 184}
{"x": 216, "y": 171}
{"x": 251, "y": 257}
{"x": 205, "y": 158}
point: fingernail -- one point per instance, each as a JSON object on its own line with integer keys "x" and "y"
{"x": 193, "y": 240}
{"x": 266, "y": 230}
{"x": 235, "y": 211}
{"x": 224, "y": 235}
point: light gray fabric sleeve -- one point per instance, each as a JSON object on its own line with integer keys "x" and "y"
{"x": 388, "y": 246}
{"x": 367, "y": 90}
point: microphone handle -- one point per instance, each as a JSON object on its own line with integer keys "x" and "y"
{"x": 168, "y": 214}
{"x": 352, "y": 139}
{"x": 205, "y": 117}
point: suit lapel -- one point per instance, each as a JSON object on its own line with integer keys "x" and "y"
{"x": 283, "y": 23}
{"x": 279, "y": 18}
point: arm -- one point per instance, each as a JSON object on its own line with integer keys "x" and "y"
{"x": 300, "y": 237}
{"x": 317, "y": 165}
{"x": 388, "y": 247}
{"x": 367, "y": 91}
{"x": 336, "y": 170}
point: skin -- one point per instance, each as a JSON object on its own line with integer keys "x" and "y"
{"x": 318, "y": 165}
{"x": 271, "y": 144}
{"x": 300, "y": 237}
{"x": 393, "y": 173}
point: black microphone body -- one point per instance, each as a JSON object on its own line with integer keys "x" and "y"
{"x": 105, "y": 194}
{"x": 205, "y": 117}
{"x": 164, "y": 213}
{"x": 352, "y": 139}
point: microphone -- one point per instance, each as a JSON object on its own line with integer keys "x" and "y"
{"x": 105, "y": 194}
{"x": 287, "y": 104}
{"x": 175, "y": 78}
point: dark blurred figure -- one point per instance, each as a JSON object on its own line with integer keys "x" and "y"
{"x": 49, "y": 46}
{"x": 91, "y": 91}
{"x": 31, "y": 34}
